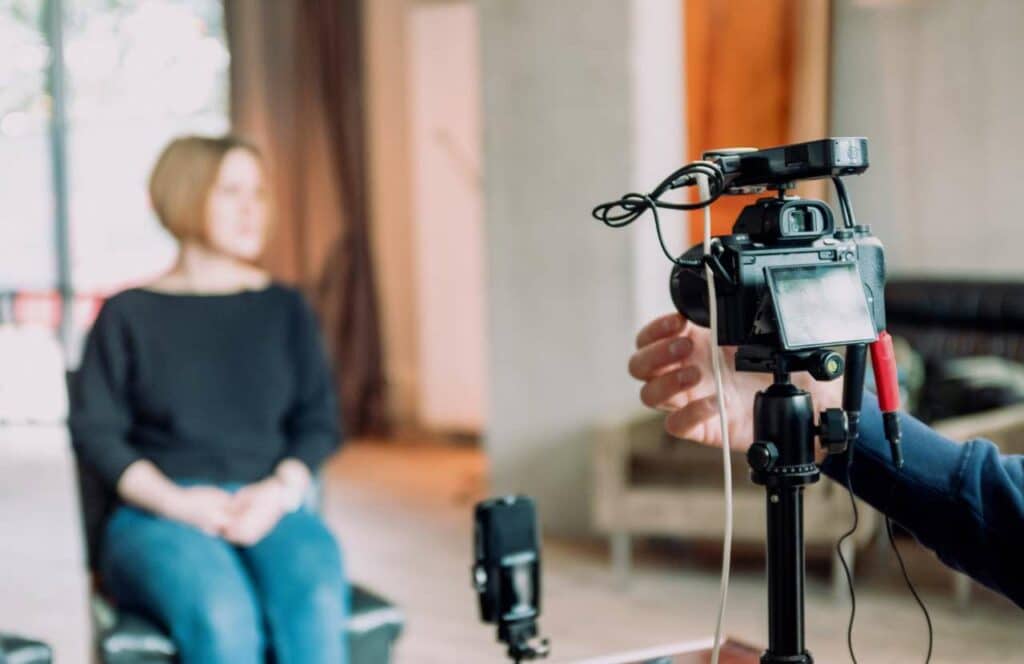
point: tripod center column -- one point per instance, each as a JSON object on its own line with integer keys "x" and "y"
{"x": 782, "y": 460}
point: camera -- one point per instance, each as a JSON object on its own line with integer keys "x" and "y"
{"x": 788, "y": 285}
{"x": 787, "y": 278}
{"x": 506, "y": 573}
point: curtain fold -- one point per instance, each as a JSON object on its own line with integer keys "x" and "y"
{"x": 297, "y": 91}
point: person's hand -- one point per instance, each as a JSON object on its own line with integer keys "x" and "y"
{"x": 256, "y": 509}
{"x": 673, "y": 359}
{"x": 204, "y": 507}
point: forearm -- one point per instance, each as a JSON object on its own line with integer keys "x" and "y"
{"x": 963, "y": 501}
{"x": 143, "y": 485}
{"x": 920, "y": 494}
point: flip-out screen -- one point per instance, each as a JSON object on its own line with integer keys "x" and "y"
{"x": 820, "y": 305}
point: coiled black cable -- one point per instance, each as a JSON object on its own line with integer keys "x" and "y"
{"x": 631, "y": 206}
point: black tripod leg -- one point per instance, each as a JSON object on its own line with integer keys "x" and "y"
{"x": 785, "y": 562}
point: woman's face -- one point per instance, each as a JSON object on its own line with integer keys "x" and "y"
{"x": 236, "y": 210}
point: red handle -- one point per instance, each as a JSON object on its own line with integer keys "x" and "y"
{"x": 883, "y": 360}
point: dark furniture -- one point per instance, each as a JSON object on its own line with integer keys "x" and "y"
{"x": 958, "y": 317}
{"x": 970, "y": 335}
{"x": 23, "y": 651}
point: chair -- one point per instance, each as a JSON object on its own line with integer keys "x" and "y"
{"x": 23, "y": 651}
{"x": 124, "y": 637}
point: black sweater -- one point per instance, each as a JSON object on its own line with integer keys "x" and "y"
{"x": 210, "y": 387}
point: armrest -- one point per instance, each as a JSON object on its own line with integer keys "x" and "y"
{"x": 128, "y": 638}
{"x": 1003, "y": 426}
{"x": 611, "y": 439}
{"x": 24, "y": 651}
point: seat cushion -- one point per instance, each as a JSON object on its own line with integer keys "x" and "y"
{"x": 19, "y": 650}
{"x": 132, "y": 639}
{"x": 373, "y": 627}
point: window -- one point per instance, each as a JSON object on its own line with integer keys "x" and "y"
{"x": 139, "y": 72}
{"x": 136, "y": 74}
{"x": 27, "y": 256}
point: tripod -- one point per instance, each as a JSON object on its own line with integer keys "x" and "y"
{"x": 523, "y": 642}
{"x": 781, "y": 460}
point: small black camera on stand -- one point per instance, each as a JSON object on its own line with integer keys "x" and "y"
{"x": 506, "y": 573}
{"x": 791, "y": 285}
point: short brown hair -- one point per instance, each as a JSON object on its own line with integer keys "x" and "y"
{"x": 182, "y": 179}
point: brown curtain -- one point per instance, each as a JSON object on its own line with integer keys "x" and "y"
{"x": 297, "y": 91}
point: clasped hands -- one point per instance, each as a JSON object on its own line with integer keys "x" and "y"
{"x": 242, "y": 518}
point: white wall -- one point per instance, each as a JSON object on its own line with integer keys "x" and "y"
{"x": 444, "y": 81}
{"x": 389, "y": 157}
{"x": 936, "y": 86}
{"x": 657, "y": 143}
{"x": 578, "y": 109}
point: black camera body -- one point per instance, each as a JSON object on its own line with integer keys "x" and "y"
{"x": 779, "y": 237}
{"x": 788, "y": 277}
{"x": 507, "y": 571}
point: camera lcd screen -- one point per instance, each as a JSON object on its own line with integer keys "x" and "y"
{"x": 820, "y": 305}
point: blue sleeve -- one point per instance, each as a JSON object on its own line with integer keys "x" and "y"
{"x": 965, "y": 501}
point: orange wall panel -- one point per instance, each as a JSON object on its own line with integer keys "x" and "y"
{"x": 739, "y": 83}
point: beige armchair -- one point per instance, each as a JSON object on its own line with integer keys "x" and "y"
{"x": 647, "y": 483}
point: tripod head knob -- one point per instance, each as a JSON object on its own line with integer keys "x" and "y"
{"x": 826, "y": 365}
{"x": 833, "y": 429}
{"x": 762, "y": 455}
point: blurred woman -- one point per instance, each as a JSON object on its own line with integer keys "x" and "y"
{"x": 205, "y": 401}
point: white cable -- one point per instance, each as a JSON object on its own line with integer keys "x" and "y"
{"x": 716, "y": 363}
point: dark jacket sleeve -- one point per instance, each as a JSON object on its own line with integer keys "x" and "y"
{"x": 965, "y": 501}
{"x": 313, "y": 424}
{"x": 100, "y": 417}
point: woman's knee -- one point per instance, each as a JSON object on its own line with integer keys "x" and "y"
{"x": 314, "y": 575}
{"x": 219, "y": 627}
{"x": 299, "y": 570}
{"x": 311, "y": 580}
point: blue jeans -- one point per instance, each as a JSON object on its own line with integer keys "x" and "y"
{"x": 225, "y": 604}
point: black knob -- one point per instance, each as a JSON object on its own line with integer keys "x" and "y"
{"x": 834, "y": 430}
{"x": 827, "y": 365}
{"x": 762, "y": 455}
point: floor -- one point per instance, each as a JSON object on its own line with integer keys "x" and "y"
{"x": 403, "y": 512}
